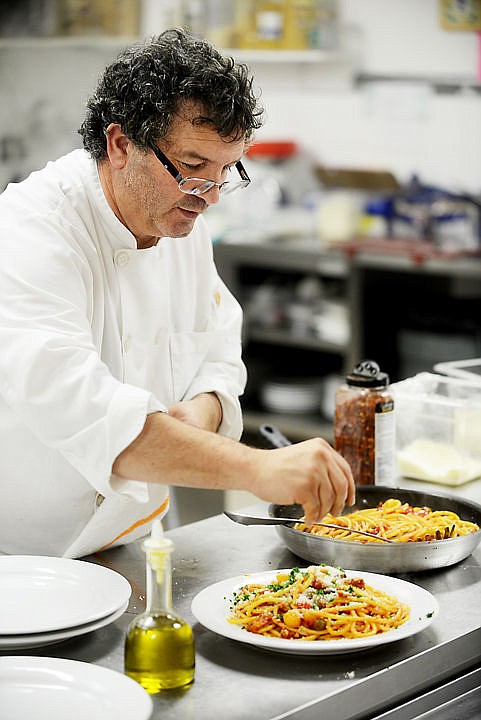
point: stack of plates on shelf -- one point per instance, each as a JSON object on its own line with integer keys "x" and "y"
{"x": 44, "y": 600}
{"x": 292, "y": 395}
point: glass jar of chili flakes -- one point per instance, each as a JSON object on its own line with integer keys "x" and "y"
{"x": 364, "y": 430}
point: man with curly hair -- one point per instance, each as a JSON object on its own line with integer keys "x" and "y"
{"x": 121, "y": 364}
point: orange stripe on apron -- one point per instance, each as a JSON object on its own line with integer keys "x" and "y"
{"x": 137, "y": 524}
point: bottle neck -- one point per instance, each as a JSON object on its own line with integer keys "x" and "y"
{"x": 159, "y": 586}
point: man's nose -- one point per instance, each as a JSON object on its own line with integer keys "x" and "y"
{"x": 212, "y": 196}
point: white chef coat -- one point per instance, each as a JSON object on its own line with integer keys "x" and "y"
{"x": 94, "y": 335}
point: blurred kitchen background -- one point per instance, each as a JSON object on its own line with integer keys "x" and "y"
{"x": 360, "y": 235}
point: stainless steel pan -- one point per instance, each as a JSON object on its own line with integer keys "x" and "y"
{"x": 393, "y": 558}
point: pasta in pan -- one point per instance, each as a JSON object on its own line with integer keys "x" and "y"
{"x": 316, "y": 603}
{"x": 394, "y": 520}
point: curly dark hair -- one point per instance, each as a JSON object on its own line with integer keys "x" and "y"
{"x": 147, "y": 84}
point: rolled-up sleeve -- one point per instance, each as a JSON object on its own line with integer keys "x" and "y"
{"x": 222, "y": 370}
{"x": 213, "y": 338}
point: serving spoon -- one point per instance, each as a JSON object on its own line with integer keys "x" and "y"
{"x": 255, "y": 520}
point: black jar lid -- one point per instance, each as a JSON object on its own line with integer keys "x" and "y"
{"x": 367, "y": 374}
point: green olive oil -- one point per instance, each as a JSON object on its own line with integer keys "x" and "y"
{"x": 159, "y": 645}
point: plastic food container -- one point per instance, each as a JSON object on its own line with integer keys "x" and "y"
{"x": 438, "y": 429}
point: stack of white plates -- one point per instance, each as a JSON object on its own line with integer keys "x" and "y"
{"x": 292, "y": 396}
{"x": 44, "y": 600}
{"x": 47, "y": 688}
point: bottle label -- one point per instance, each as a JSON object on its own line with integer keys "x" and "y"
{"x": 385, "y": 449}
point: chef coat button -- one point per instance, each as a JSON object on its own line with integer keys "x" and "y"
{"x": 121, "y": 258}
{"x": 127, "y": 343}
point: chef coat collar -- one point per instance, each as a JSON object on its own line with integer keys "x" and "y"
{"x": 119, "y": 236}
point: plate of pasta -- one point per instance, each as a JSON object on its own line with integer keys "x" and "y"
{"x": 315, "y": 610}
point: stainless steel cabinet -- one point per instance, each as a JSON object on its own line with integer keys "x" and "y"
{"x": 404, "y": 313}
{"x": 277, "y": 343}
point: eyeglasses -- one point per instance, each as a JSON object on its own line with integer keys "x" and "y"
{"x": 199, "y": 186}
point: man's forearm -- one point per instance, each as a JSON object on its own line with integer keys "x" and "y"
{"x": 174, "y": 452}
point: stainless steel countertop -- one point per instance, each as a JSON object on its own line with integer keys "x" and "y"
{"x": 238, "y": 681}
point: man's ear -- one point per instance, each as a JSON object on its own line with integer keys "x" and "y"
{"x": 117, "y": 144}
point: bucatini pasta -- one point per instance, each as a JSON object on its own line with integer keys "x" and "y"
{"x": 316, "y": 603}
{"x": 394, "y": 520}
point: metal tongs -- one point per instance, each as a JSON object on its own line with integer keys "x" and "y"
{"x": 254, "y": 520}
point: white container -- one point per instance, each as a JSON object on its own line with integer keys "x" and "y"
{"x": 292, "y": 396}
{"x": 438, "y": 428}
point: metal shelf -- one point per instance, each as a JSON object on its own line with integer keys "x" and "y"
{"x": 295, "y": 254}
{"x": 294, "y": 427}
{"x": 286, "y": 338}
{"x": 441, "y": 84}
{"x": 77, "y": 41}
{"x": 272, "y": 57}
{"x": 287, "y": 56}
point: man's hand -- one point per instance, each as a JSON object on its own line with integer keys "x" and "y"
{"x": 203, "y": 411}
{"x": 310, "y": 473}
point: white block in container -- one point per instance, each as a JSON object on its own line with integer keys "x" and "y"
{"x": 438, "y": 428}
{"x": 437, "y": 462}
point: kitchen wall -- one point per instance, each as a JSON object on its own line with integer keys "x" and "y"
{"x": 43, "y": 90}
{"x": 404, "y": 125}
{"x": 402, "y": 122}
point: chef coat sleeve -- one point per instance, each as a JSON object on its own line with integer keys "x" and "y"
{"x": 51, "y": 373}
{"x": 222, "y": 370}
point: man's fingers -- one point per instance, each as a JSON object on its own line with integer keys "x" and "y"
{"x": 335, "y": 490}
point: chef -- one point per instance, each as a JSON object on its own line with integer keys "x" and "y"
{"x": 120, "y": 363}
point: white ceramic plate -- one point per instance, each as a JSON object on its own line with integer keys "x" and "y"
{"x": 42, "y": 594}
{"x": 211, "y": 608}
{"x": 54, "y": 689}
{"x": 17, "y": 642}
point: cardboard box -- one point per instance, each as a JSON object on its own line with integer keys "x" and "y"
{"x": 97, "y": 17}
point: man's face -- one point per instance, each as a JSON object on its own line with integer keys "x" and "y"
{"x": 147, "y": 198}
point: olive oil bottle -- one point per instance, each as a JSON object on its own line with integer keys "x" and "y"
{"x": 159, "y": 645}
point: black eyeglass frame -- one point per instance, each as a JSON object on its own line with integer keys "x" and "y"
{"x": 225, "y": 187}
